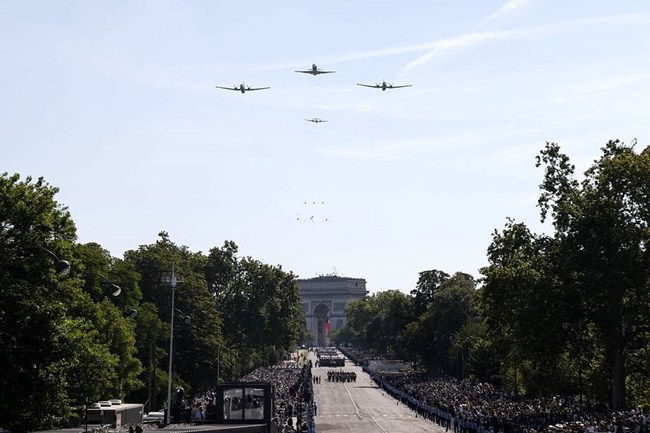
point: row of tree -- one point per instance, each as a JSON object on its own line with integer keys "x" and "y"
{"x": 67, "y": 342}
{"x": 566, "y": 312}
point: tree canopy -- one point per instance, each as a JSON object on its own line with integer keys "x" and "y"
{"x": 565, "y": 312}
{"x": 58, "y": 331}
{"x": 580, "y": 297}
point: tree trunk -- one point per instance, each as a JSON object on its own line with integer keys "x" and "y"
{"x": 618, "y": 378}
{"x": 150, "y": 378}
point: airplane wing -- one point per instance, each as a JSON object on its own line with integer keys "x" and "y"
{"x": 228, "y": 88}
{"x": 256, "y": 88}
{"x": 376, "y": 86}
{"x": 397, "y": 87}
{"x": 316, "y": 72}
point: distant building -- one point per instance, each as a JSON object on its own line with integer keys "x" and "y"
{"x": 327, "y": 297}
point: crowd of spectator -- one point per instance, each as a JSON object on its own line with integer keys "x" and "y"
{"x": 469, "y": 406}
{"x": 293, "y": 398}
{"x": 463, "y": 406}
{"x": 292, "y": 387}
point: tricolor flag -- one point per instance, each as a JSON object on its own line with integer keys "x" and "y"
{"x": 328, "y": 326}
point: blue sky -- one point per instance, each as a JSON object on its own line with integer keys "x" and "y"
{"x": 114, "y": 102}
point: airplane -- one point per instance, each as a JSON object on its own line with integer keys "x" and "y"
{"x": 383, "y": 86}
{"x": 315, "y": 71}
{"x": 242, "y": 88}
{"x": 316, "y": 120}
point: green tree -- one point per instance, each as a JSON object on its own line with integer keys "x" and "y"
{"x": 198, "y": 341}
{"x": 604, "y": 223}
{"x": 360, "y": 315}
{"x": 48, "y": 350}
{"x": 526, "y": 309}
{"x": 430, "y": 336}
{"x": 113, "y": 316}
{"x": 377, "y": 322}
{"x": 150, "y": 333}
{"x": 575, "y": 305}
{"x": 261, "y": 306}
{"x": 428, "y": 284}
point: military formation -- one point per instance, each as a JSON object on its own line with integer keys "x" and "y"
{"x": 341, "y": 376}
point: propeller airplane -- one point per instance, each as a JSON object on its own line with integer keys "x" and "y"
{"x": 316, "y": 120}
{"x": 383, "y": 86}
{"x": 242, "y": 88}
{"x": 315, "y": 71}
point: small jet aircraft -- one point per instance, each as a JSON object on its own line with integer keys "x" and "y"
{"x": 316, "y": 120}
{"x": 315, "y": 71}
{"x": 383, "y": 86}
{"x": 242, "y": 88}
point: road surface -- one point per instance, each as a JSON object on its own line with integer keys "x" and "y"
{"x": 362, "y": 407}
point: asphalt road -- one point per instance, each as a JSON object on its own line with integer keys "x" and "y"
{"x": 362, "y": 407}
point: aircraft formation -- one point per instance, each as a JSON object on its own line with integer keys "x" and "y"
{"x": 314, "y": 70}
{"x": 313, "y": 213}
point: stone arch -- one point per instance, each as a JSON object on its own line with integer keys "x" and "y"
{"x": 321, "y": 312}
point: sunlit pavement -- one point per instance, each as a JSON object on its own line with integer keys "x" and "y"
{"x": 361, "y": 407}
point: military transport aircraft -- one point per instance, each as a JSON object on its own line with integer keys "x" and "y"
{"x": 242, "y": 88}
{"x": 383, "y": 86}
{"x": 315, "y": 71}
{"x": 316, "y": 120}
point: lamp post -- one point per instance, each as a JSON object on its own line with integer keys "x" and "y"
{"x": 172, "y": 282}
{"x": 186, "y": 317}
{"x": 62, "y": 266}
{"x": 115, "y": 289}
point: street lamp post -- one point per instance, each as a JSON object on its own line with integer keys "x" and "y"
{"x": 86, "y": 409}
{"x": 172, "y": 281}
{"x": 115, "y": 289}
{"x": 62, "y": 266}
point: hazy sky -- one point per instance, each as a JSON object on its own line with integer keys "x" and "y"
{"x": 114, "y": 102}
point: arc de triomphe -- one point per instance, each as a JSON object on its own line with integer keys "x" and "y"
{"x": 327, "y": 296}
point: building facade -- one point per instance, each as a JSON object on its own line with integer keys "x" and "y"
{"x": 325, "y": 298}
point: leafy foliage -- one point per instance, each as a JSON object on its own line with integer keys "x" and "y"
{"x": 58, "y": 332}
{"x": 569, "y": 307}
{"x": 376, "y": 322}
